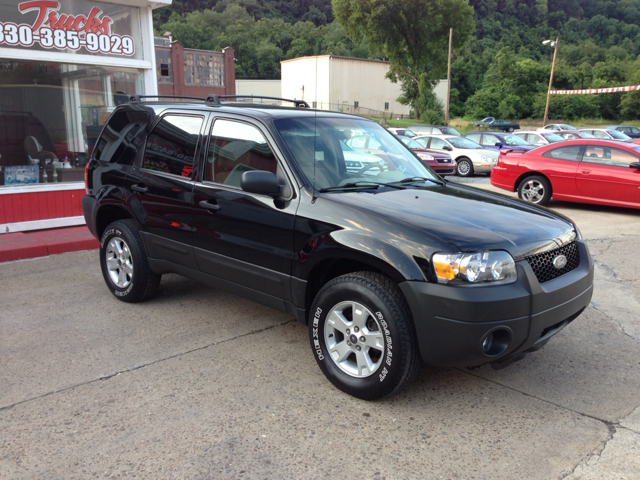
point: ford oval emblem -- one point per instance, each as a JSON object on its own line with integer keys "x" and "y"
{"x": 560, "y": 262}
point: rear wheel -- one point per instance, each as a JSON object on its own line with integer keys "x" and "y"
{"x": 535, "y": 189}
{"x": 465, "y": 167}
{"x": 124, "y": 263}
{"x": 510, "y": 129}
{"x": 362, "y": 336}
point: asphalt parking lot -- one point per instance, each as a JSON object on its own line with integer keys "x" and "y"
{"x": 199, "y": 384}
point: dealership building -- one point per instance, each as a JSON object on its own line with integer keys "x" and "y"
{"x": 64, "y": 66}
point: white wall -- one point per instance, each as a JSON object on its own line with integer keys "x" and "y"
{"x": 264, "y": 88}
{"x": 306, "y": 78}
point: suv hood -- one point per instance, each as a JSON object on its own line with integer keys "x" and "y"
{"x": 466, "y": 217}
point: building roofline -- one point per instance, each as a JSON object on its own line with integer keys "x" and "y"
{"x": 335, "y": 56}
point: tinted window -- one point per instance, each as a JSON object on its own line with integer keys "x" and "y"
{"x": 618, "y": 135}
{"x": 564, "y": 153}
{"x": 171, "y": 145}
{"x": 121, "y": 137}
{"x": 463, "y": 143}
{"x": 552, "y": 137}
{"x": 599, "y": 134}
{"x": 474, "y": 137}
{"x": 449, "y": 131}
{"x": 236, "y": 148}
{"x": 608, "y": 156}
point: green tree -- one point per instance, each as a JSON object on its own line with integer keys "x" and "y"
{"x": 413, "y": 34}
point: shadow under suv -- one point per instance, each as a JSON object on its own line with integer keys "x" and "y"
{"x": 388, "y": 266}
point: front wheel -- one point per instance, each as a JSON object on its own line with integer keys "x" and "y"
{"x": 362, "y": 336}
{"x": 465, "y": 167}
{"x": 535, "y": 189}
{"x": 124, "y": 263}
{"x": 510, "y": 129}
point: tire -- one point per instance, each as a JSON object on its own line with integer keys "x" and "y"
{"x": 510, "y": 129}
{"x": 124, "y": 263}
{"x": 464, "y": 167}
{"x": 390, "y": 349}
{"x": 535, "y": 189}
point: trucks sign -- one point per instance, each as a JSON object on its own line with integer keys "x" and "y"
{"x": 53, "y": 29}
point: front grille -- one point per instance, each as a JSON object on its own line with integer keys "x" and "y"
{"x": 444, "y": 160}
{"x": 542, "y": 263}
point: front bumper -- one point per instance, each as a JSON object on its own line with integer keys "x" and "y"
{"x": 452, "y": 322}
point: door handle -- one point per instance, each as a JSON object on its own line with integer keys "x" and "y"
{"x": 211, "y": 207}
{"x": 139, "y": 188}
{"x": 586, "y": 172}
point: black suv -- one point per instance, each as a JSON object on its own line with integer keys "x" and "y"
{"x": 386, "y": 263}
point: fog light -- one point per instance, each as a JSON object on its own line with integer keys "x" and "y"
{"x": 496, "y": 341}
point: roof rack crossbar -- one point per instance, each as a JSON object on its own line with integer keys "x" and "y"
{"x": 140, "y": 98}
{"x": 215, "y": 99}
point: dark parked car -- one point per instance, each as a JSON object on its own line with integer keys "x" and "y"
{"x": 492, "y": 123}
{"x": 629, "y": 131}
{"x": 384, "y": 269}
{"x": 433, "y": 130}
{"x": 498, "y": 141}
{"x": 587, "y": 171}
{"x": 439, "y": 162}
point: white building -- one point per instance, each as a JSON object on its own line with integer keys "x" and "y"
{"x": 350, "y": 85}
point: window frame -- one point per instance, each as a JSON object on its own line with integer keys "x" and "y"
{"x": 282, "y": 164}
{"x": 197, "y": 153}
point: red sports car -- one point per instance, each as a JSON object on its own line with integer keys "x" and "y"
{"x": 582, "y": 170}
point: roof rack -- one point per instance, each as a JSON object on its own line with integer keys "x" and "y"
{"x": 139, "y": 98}
{"x": 215, "y": 99}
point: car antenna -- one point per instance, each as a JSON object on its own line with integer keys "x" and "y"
{"x": 315, "y": 132}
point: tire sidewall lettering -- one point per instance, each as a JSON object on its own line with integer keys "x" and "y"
{"x": 316, "y": 340}
{"x": 109, "y": 233}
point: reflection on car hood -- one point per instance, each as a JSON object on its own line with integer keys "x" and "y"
{"x": 469, "y": 218}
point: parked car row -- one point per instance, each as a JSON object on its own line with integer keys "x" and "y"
{"x": 477, "y": 152}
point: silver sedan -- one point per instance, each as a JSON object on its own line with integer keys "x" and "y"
{"x": 470, "y": 157}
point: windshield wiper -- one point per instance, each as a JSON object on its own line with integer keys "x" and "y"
{"x": 418, "y": 179}
{"x": 361, "y": 184}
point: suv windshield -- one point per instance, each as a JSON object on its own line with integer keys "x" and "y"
{"x": 316, "y": 147}
{"x": 463, "y": 143}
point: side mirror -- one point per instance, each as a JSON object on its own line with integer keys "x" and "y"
{"x": 635, "y": 165}
{"x": 499, "y": 144}
{"x": 260, "y": 182}
{"x": 447, "y": 148}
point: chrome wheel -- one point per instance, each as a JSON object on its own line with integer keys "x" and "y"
{"x": 119, "y": 262}
{"x": 464, "y": 168}
{"x": 354, "y": 339}
{"x": 532, "y": 191}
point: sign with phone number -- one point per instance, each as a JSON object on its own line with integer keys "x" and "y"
{"x": 55, "y": 30}
{"x": 23, "y": 35}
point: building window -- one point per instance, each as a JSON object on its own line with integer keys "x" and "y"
{"x": 356, "y": 104}
{"x": 204, "y": 70}
{"x": 315, "y": 104}
{"x": 164, "y": 70}
{"x": 386, "y": 105}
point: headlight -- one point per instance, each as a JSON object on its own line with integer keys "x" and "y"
{"x": 424, "y": 156}
{"x": 486, "y": 158}
{"x": 474, "y": 269}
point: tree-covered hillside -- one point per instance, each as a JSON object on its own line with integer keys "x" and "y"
{"x": 503, "y": 70}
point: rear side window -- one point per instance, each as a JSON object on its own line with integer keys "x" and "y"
{"x": 236, "y": 148}
{"x": 564, "y": 153}
{"x": 490, "y": 140}
{"x": 474, "y": 137}
{"x": 122, "y": 137}
{"x": 171, "y": 146}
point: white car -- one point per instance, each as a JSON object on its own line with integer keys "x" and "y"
{"x": 607, "y": 134}
{"x": 539, "y": 137}
{"x": 558, "y": 127}
{"x": 470, "y": 157}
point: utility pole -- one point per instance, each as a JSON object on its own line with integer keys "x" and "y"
{"x": 553, "y": 65}
{"x": 446, "y": 108}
